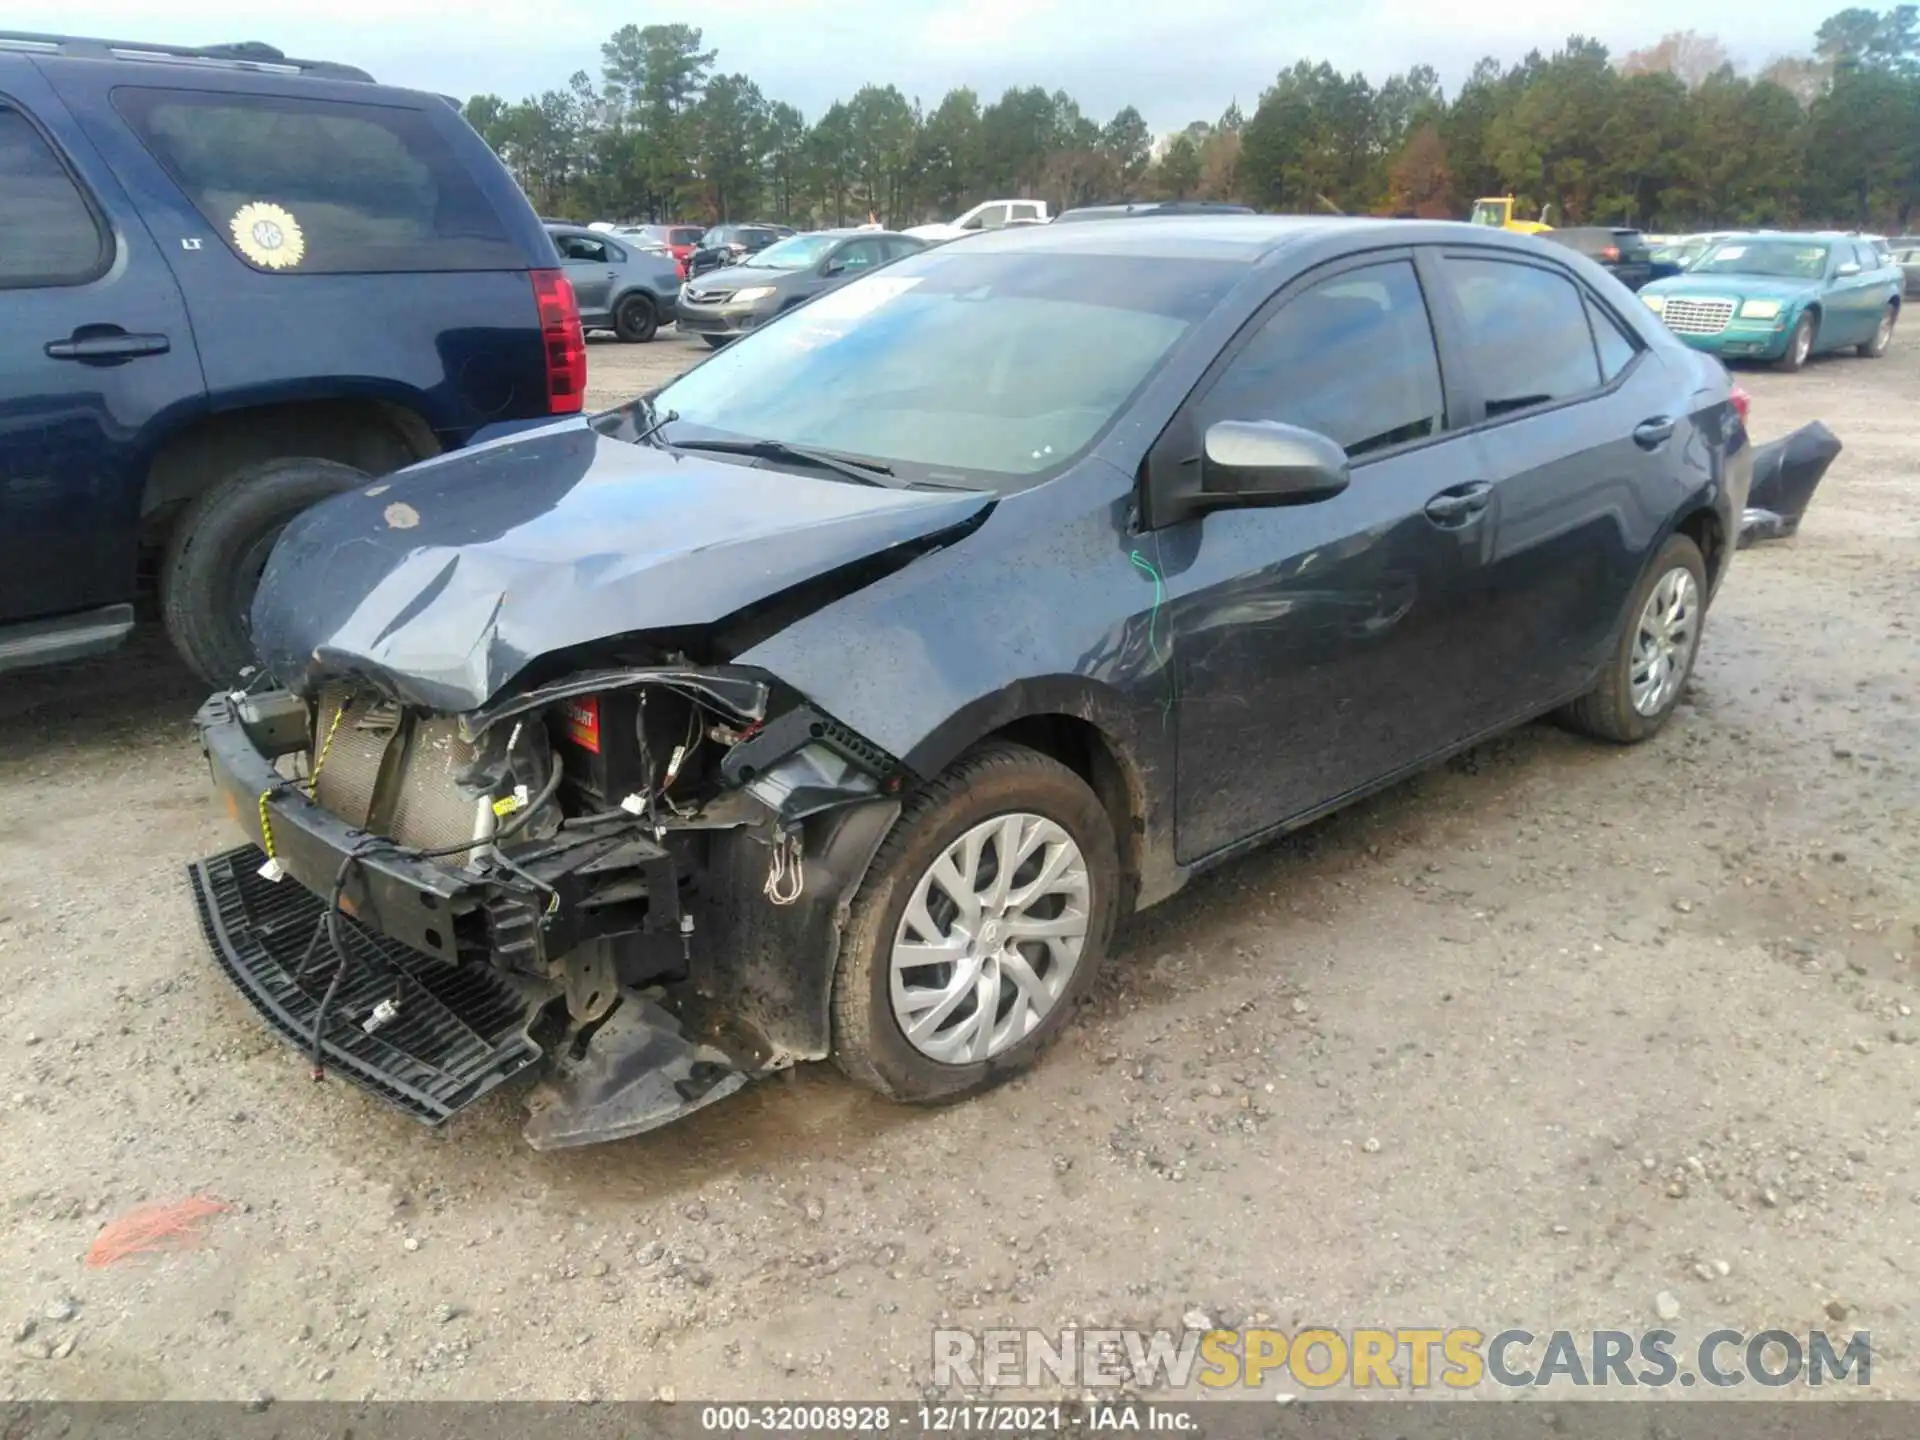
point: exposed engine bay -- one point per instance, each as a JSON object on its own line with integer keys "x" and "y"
{"x": 579, "y": 840}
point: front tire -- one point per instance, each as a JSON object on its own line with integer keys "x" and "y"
{"x": 714, "y": 342}
{"x": 1876, "y": 348}
{"x": 1653, "y": 658}
{"x": 636, "y": 321}
{"x": 220, "y": 545}
{"x": 958, "y": 968}
{"x": 1799, "y": 344}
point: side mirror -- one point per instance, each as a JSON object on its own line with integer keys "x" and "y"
{"x": 1847, "y": 269}
{"x": 1262, "y": 462}
{"x": 834, "y": 267}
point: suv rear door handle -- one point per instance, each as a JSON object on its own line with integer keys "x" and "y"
{"x": 106, "y": 345}
{"x": 1652, "y": 434}
{"x": 1459, "y": 503}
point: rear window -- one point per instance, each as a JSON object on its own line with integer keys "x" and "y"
{"x": 303, "y": 186}
{"x": 688, "y": 236}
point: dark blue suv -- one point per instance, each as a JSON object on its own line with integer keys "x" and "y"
{"x": 231, "y": 285}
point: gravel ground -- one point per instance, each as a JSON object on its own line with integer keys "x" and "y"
{"x": 1527, "y": 1041}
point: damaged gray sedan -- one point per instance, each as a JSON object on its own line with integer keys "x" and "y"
{"x": 837, "y": 698}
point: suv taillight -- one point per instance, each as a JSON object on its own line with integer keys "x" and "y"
{"x": 1742, "y": 403}
{"x": 1610, "y": 253}
{"x": 565, "y": 342}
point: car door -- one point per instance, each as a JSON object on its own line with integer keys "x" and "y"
{"x": 1315, "y": 649}
{"x": 1854, "y": 293}
{"x": 95, "y": 349}
{"x": 1582, "y": 429}
{"x": 590, "y": 269}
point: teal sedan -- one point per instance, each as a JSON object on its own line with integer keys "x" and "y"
{"x": 1782, "y": 298}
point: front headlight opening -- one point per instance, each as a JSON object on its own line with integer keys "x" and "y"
{"x": 1760, "y": 309}
{"x": 1655, "y": 303}
{"x": 753, "y": 292}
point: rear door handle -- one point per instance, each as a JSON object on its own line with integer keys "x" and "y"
{"x": 1460, "y": 503}
{"x": 1652, "y": 434}
{"x": 106, "y": 345}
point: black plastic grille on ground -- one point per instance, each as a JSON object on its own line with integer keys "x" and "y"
{"x": 460, "y": 1030}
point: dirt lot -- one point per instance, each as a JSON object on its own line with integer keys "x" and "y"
{"x": 1528, "y": 1042}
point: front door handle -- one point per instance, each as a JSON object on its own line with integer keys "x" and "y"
{"x": 1460, "y": 503}
{"x": 1652, "y": 434}
{"x": 106, "y": 345}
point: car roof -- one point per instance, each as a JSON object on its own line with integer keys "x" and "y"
{"x": 1248, "y": 238}
{"x": 246, "y": 55}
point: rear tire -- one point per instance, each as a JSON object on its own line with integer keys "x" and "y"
{"x": 998, "y": 784}
{"x": 1609, "y": 711}
{"x": 636, "y": 321}
{"x": 1876, "y": 348}
{"x": 1799, "y": 344}
{"x": 714, "y": 342}
{"x": 220, "y": 545}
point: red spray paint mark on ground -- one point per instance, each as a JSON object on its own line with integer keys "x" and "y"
{"x": 149, "y": 1228}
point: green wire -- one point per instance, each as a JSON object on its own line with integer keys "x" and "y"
{"x": 1147, "y": 567}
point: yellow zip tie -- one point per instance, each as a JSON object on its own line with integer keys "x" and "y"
{"x": 326, "y": 748}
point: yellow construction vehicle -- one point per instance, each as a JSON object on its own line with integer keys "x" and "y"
{"x": 1496, "y": 211}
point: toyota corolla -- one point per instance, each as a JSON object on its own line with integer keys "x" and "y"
{"x": 840, "y": 696}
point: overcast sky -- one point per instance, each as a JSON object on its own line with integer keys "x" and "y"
{"x": 1177, "y": 60}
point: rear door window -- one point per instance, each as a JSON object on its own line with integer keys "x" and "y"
{"x": 301, "y": 186}
{"x": 48, "y": 235}
{"x": 1352, "y": 358}
{"x": 1526, "y": 338}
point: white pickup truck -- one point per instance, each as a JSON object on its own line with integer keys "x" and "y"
{"x": 987, "y": 215}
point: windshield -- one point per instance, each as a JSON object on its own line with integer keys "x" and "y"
{"x": 1683, "y": 253}
{"x": 1489, "y": 212}
{"x": 955, "y": 367}
{"x": 795, "y": 254}
{"x": 1782, "y": 259}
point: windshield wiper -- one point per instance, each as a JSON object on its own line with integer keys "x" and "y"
{"x": 865, "y": 472}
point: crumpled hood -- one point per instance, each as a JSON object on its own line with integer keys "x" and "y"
{"x": 442, "y": 582}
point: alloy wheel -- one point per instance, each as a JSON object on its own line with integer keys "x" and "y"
{"x": 1663, "y": 644}
{"x": 990, "y": 939}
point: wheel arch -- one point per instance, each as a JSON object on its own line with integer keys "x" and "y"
{"x": 1703, "y": 526}
{"x": 372, "y": 434}
{"x": 1087, "y": 729}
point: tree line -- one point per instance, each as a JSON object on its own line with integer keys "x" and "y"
{"x": 1668, "y": 137}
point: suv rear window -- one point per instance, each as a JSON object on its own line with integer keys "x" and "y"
{"x": 319, "y": 186}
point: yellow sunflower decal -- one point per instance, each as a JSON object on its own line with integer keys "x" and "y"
{"x": 268, "y": 236}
